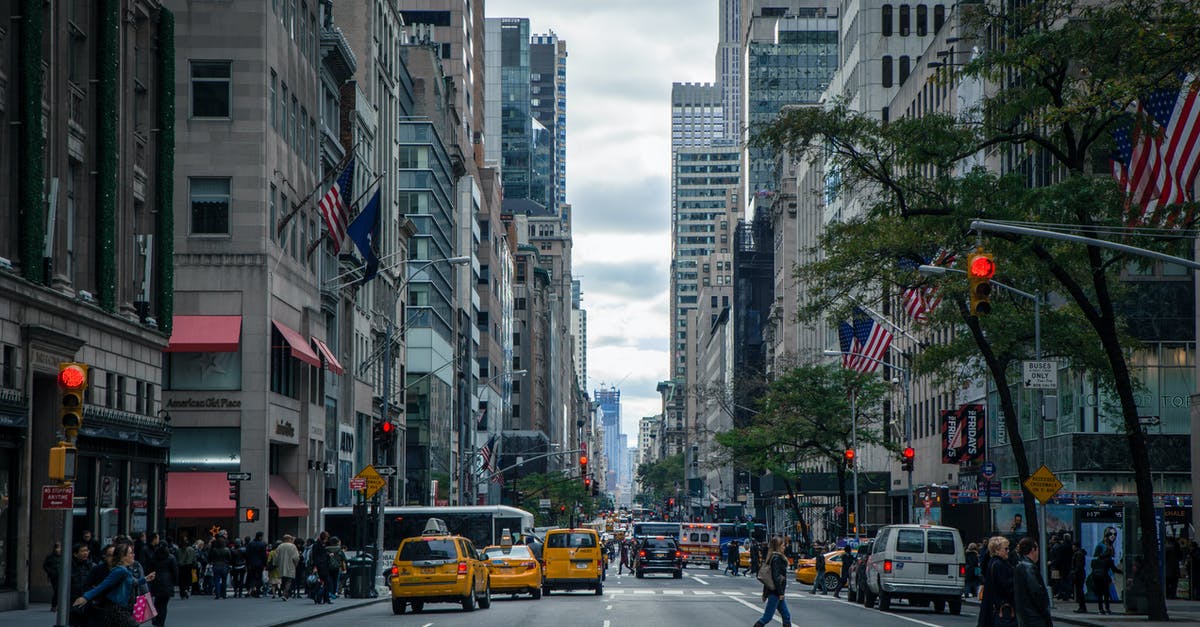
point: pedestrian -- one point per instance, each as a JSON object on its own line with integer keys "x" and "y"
{"x": 819, "y": 564}
{"x": 624, "y": 558}
{"x": 99, "y": 570}
{"x": 337, "y": 565}
{"x": 1062, "y": 563}
{"x": 219, "y": 558}
{"x": 998, "y": 608}
{"x": 118, "y": 590}
{"x": 81, "y": 565}
{"x": 287, "y": 558}
{"x": 1078, "y": 577}
{"x": 237, "y": 567}
{"x": 322, "y": 568}
{"x": 1102, "y": 570}
{"x": 1171, "y": 559}
{"x": 733, "y": 558}
{"x": 146, "y": 553}
{"x": 272, "y": 571}
{"x": 773, "y": 593}
{"x": 972, "y": 570}
{"x": 187, "y": 567}
{"x": 93, "y": 545}
{"x": 302, "y": 567}
{"x": 204, "y": 568}
{"x": 1029, "y": 591}
{"x": 847, "y": 560}
{"x": 256, "y": 561}
{"x": 755, "y": 557}
{"x": 166, "y": 571}
{"x": 52, "y": 566}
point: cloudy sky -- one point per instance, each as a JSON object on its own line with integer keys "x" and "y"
{"x": 623, "y": 56}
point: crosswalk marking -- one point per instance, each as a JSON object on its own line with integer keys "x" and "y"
{"x": 703, "y": 592}
{"x": 675, "y": 592}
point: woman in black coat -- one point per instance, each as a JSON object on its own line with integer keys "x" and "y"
{"x": 167, "y": 573}
{"x": 999, "y": 607}
{"x": 773, "y": 594}
{"x": 1102, "y": 570}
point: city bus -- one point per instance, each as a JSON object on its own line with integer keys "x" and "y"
{"x": 646, "y": 528}
{"x": 739, "y": 532}
{"x": 700, "y": 544}
{"x": 482, "y": 524}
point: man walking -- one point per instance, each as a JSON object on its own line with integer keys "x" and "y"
{"x": 847, "y": 560}
{"x": 624, "y": 557}
{"x": 819, "y": 582}
{"x": 286, "y": 557}
{"x": 734, "y": 556}
{"x": 1029, "y": 591}
{"x": 256, "y": 561}
{"x": 187, "y": 565}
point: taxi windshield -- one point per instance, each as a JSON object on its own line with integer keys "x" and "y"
{"x": 570, "y": 540}
{"x": 418, "y": 550}
{"x": 500, "y": 552}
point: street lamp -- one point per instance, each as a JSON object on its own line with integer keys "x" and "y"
{"x": 907, "y": 383}
{"x": 929, "y": 270}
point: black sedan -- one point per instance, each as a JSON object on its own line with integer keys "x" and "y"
{"x": 658, "y": 554}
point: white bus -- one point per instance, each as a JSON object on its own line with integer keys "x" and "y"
{"x": 482, "y": 524}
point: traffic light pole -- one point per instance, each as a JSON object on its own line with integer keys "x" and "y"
{"x": 854, "y": 460}
{"x": 72, "y": 381}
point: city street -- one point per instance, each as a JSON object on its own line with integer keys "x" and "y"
{"x": 701, "y": 598}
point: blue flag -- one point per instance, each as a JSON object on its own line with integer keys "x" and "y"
{"x": 364, "y": 232}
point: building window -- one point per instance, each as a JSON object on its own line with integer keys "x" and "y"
{"x": 274, "y": 101}
{"x": 519, "y": 304}
{"x": 939, "y": 17}
{"x": 274, "y": 214}
{"x": 885, "y": 15}
{"x": 886, "y": 68}
{"x": 283, "y": 367}
{"x": 905, "y": 28}
{"x": 922, "y": 20}
{"x": 210, "y": 206}
{"x": 516, "y": 409}
{"x": 905, "y": 67}
{"x": 212, "y": 89}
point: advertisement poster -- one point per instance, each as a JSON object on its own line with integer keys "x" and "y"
{"x": 1010, "y": 520}
{"x": 1104, "y": 530}
{"x": 963, "y": 434}
{"x": 952, "y": 437}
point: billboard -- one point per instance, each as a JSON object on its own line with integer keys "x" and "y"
{"x": 964, "y": 434}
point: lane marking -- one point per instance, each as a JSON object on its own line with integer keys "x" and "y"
{"x": 703, "y": 592}
{"x": 605, "y": 623}
{"x": 758, "y": 609}
{"x": 699, "y": 578}
{"x": 673, "y": 592}
{"x": 608, "y": 608}
{"x": 643, "y": 591}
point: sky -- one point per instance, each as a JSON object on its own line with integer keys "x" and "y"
{"x": 622, "y": 56}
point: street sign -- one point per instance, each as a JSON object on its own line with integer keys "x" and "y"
{"x": 237, "y": 476}
{"x": 544, "y": 504}
{"x": 1149, "y": 421}
{"x": 375, "y": 482}
{"x": 989, "y": 470}
{"x": 1039, "y": 375}
{"x": 358, "y": 483}
{"x": 1043, "y": 485}
{"x": 58, "y": 497}
{"x": 386, "y": 471}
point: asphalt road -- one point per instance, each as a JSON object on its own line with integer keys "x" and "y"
{"x": 701, "y": 598}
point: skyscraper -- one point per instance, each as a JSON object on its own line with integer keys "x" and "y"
{"x": 548, "y": 102}
{"x": 729, "y": 65}
{"x": 610, "y": 404}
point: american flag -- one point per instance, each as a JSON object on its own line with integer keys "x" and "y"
{"x": 1156, "y": 163}
{"x": 335, "y": 206}
{"x": 848, "y": 344}
{"x": 873, "y": 341}
{"x": 487, "y": 453}
{"x": 920, "y": 300}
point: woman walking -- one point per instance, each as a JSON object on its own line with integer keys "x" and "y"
{"x": 1102, "y": 570}
{"x": 219, "y": 557}
{"x": 773, "y": 593}
{"x": 52, "y": 566}
{"x": 118, "y": 590}
{"x": 166, "y": 570}
{"x": 999, "y": 606}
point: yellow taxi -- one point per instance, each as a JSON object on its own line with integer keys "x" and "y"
{"x": 514, "y": 569}
{"x": 572, "y": 560}
{"x": 437, "y": 567}
{"x": 806, "y": 569}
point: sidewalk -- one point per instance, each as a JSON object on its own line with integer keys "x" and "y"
{"x": 204, "y": 611}
{"x": 1179, "y": 611}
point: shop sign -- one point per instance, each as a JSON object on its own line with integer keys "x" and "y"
{"x": 212, "y": 402}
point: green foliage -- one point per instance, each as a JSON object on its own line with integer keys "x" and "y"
{"x": 562, "y": 489}
{"x": 806, "y": 420}
{"x": 661, "y": 479}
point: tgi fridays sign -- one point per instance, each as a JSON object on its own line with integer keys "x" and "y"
{"x": 963, "y": 434}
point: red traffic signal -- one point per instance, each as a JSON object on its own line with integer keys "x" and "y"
{"x": 249, "y": 514}
{"x": 909, "y": 453}
{"x": 906, "y": 459}
{"x": 982, "y": 266}
{"x": 849, "y": 455}
{"x": 386, "y": 427}
{"x": 583, "y": 460}
{"x": 72, "y": 376}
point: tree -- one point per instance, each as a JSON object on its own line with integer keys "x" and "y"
{"x": 806, "y": 422}
{"x": 1062, "y": 76}
{"x": 566, "y": 493}
{"x": 661, "y": 479}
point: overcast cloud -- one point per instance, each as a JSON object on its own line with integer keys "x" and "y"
{"x": 622, "y": 56}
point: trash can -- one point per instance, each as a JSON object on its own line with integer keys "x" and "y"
{"x": 361, "y": 570}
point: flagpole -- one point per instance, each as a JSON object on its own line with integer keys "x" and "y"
{"x": 880, "y": 317}
{"x": 333, "y": 172}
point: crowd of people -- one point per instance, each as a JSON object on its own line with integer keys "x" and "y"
{"x": 107, "y": 581}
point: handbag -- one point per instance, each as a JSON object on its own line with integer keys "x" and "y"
{"x": 143, "y": 609}
{"x": 980, "y": 596}
{"x": 766, "y": 577}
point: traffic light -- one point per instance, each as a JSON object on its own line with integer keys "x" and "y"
{"x": 249, "y": 514}
{"x": 595, "y": 488}
{"x": 583, "y": 467}
{"x": 587, "y": 484}
{"x": 235, "y": 489}
{"x": 385, "y": 433}
{"x": 72, "y": 381}
{"x": 62, "y": 462}
{"x": 906, "y": 459}
{"x": 981, "y": 267}
{"x": 849, "y": 456}
{"x": 671, "y": 502}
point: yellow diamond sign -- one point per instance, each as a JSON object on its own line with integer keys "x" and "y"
{"x": 375, "y": 481}
{"x": 1043, "y": 485}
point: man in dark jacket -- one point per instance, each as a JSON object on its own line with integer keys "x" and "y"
{"x": 256, "y": 561}
{"x": 1029, "y": 591}
{"x": 1078, "y": 577}
{"x": 847, "y": 560}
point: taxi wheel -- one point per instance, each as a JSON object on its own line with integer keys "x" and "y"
{"x": 468, "y": 602}
{"x": 398, "y": 606}
{"x": 486, "y": 601}
{"x": 831, "y": 581}
{"x": 418, "y": 606}
{"x": 885, "y": 600}
{"x": 956, "y": 606}
{"x": 546, "y": 590}
{"x": 599, "y": 589}
{"x": 536, "y": 592}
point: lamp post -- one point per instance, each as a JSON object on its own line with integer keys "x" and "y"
{"x": 929, "y": 270}
{"x": 854, "y": 427}
{"x": 387, "y": 354}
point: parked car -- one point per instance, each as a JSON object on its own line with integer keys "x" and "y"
{"x": 858, "y": 573}
{"x": 918, "y": 563}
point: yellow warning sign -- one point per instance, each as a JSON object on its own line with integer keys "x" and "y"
{"x": 1043, "y": 485}
{"x": 375, "y": 481}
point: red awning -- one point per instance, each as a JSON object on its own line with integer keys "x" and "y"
{"x": 300, "y": 349}
{"x": 205, "y": 334}
{"x": 285, "y": 498}
{"x": 331, "y": 362}
{"x": 199, "y": 495}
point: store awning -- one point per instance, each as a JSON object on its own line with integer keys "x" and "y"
{"x": 331, "y": 362}
{"x": 285, "y": 498}
{"x": 205, "y": 334}
{"x": 199, "y": 495}
{"x": 300, "y": 348}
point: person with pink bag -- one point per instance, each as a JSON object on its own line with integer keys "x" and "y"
{"x": 115, "y": 597}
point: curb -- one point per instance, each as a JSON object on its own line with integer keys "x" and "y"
{"x": 343, "y": 608}
{"x": 1070, "y": 620}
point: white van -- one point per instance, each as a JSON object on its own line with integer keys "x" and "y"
{"x": 919, "y": 563}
